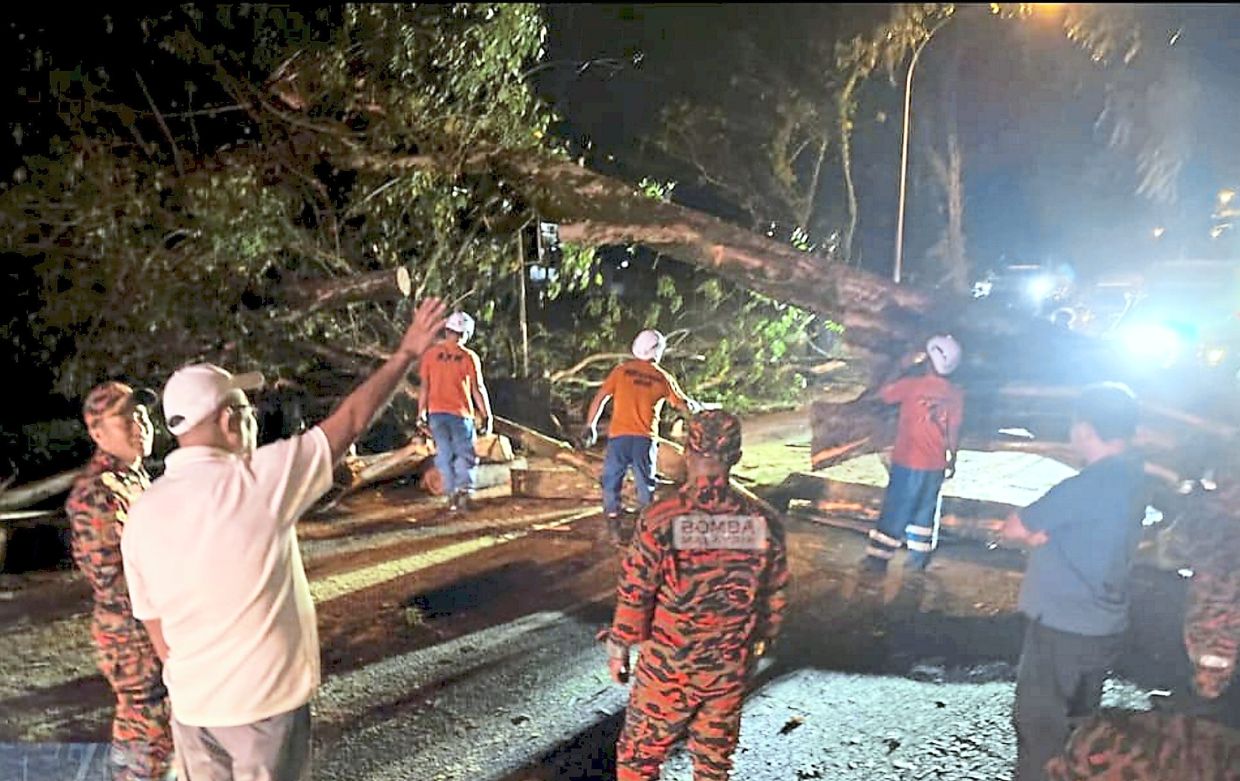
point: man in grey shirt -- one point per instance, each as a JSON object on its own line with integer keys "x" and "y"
{"x": 1082, "y": 534}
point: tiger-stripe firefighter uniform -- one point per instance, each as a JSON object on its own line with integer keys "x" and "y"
{"x": 98, "y": 506}
{"x": 703, "y": 584}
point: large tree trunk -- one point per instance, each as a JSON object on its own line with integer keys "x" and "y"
{"x": 597, "y": 210}
{"x": 30, "y": 494}
{"x": 309, "y": 295}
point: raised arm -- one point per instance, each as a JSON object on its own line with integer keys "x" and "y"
{"x": 360, "y": 408}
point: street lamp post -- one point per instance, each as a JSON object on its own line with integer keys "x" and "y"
{"x": 897, "y": 268}
{"x": 908, "y": 113}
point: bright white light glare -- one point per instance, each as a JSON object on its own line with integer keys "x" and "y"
{"x": 1040, "y": 287}
{"x": 1157, "y": 343}
{"x": 1215, "y": 356}
{"x": 1225, "y": 196}
{"x": 1023, "y": 433}
{"x": 1158, "y": 232}
{"x": 1184, "y": 573}
{"x": 1153, "y": 516}
{"x": 624, "y": 264}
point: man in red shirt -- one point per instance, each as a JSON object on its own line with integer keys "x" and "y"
{"x": 927, "y": 435}
{"x": 450, "y": 393}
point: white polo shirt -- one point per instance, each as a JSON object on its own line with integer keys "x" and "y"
{"x": 210, "y": 550}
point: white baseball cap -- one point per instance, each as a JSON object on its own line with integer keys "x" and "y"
{"x": 194, "y": 392}
{"x": 944, "y": 353}
{"x": 462, "y": 323}
{"x": 649, "y": 345}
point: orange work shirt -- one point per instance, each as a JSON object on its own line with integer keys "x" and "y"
{"x": 931, "y": 410}
{"x": 638, "y": 389}
{"x": 450, "y": 373}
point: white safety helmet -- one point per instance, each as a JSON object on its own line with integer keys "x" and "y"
{"x": 649, "y": 345}
{"x": 944, "y": 353}
{"x": 462, "y": 323}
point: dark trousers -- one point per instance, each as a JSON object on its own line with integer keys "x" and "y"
{"x": 624, "y": 452}
{"x": 910, "y": 516}
{"x": 1059, "y": 683}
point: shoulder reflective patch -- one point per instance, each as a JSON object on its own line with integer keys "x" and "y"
{"x": 703, "y": 531}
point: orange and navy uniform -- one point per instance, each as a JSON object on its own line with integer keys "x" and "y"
{"x": 98, "y": 506}
{"x": 452, "y": 374}
{"x": 931, "y": 411}
{"x": 638, "y": 389}
{"x": 697, "y": 610}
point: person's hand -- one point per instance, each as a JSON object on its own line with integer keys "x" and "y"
{"x": 618, "y": 662}
{"x": 949, "y": 472}
{"x": 589, "y": 436}
{"x": 1037, "y": 539}
{"x": 487, "y": 427}
{"x": 428, "y": 319}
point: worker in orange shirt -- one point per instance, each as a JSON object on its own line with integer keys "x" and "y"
{"x": 451, "y": 392}
{"x": 637, "y": 388}
{"x": 927, "y": 437}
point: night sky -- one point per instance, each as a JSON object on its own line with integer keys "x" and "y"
{"x": 1039, "y": 182}
{"x": 1040, "y": 185}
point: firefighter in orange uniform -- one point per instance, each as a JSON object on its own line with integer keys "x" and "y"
{"x": 116, "y": 418}
{"x": 701, "y": 594}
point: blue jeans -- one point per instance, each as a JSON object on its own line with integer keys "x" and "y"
{"x": 623, "y": 452}
{"x": 454, "y": 451}
{"x": 910, "y": 516}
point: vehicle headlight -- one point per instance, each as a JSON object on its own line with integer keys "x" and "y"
{"x": 1161, "y": 345}
{"x": 1040, "y": 287}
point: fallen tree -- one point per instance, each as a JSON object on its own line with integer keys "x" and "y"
{"x": 273, "y": 245}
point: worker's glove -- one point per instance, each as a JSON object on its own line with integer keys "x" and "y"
{"x": 423, "y": 425}
{"x": 589, "y": 436}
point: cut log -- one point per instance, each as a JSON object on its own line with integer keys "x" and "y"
{"x": 357, "y": 472}
{"x": 494, "y": 448}
{"x": 539, "y": 444}
{"x": 554, "y": 482}
{"x": 670, "y": 461}
{"x": 29, "y": 494}
{"x": 385, "y": 466}
{"x": 431, "y": 480}
{"x": 488, "y": 476}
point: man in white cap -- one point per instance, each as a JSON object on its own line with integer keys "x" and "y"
{"x": 927, "y": 436}
{"x": 638, "y": 387}
{"x": 450, "y": 393}
{"x": 214, "y": 570}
